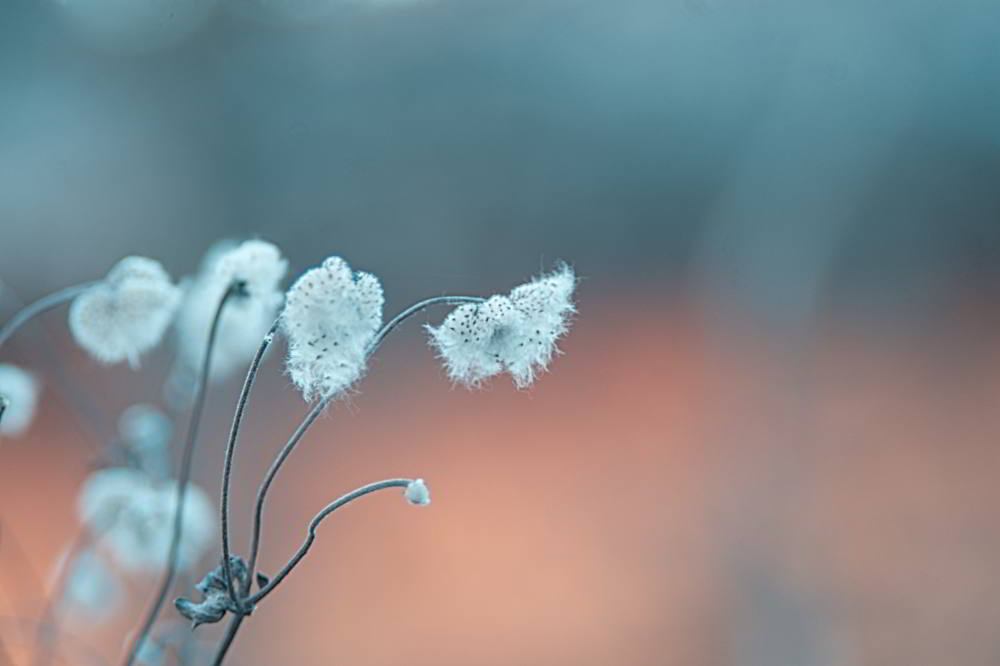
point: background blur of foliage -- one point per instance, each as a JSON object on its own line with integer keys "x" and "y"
{"x": 779, "y": 404}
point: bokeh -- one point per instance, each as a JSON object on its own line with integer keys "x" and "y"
{"x": 772, "y": 437}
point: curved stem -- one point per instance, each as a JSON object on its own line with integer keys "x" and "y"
{"x": 311, "y": 417}
{"x": 182, "y": 482}
{"x": 416, "y": 308}
{"x": 227, "y": 468}
{"x": 258, "y": 517}
{"x": 237, "y": 620}
{"x": 42, "y": 305}
{"x": 286, "y": 451}
{"x": 315, "y": 523}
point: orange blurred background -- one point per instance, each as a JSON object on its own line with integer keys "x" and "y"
{"x": 665, "y": 495}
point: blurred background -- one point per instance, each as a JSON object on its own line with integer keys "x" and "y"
{"x": 772, "y": 439}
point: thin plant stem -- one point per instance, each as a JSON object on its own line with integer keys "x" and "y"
{"x": 227, "y": 640}
{"x": 183, "y": 477}
{"x": 318, "y": 409}
{"x": 315, "y": 523}
{"x": 237, "y": 620}
{"x": 286, "y": 451}
{"x": 42, "y": 305}
{"x": 227, "y": 468}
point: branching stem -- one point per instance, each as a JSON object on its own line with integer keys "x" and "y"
{"x": 283, "y": 455}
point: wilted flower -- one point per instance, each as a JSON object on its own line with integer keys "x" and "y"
{"x": 133, "y": 516}
{"x": 516, "y": 333}
{"x": 417, "y": 493}
{"x": 18, "y": 397}
{"x": 92, "y": 590}
{"x": 126, "y": 314}
{"x": 330, "y": 317}
{"x": 246, "y": 318}
{"x": 215, "y": 599}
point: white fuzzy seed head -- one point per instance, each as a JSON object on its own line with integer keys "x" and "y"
{"x": 132, "y": 516}
{"x": 127, "y": 313}
{"x": 517, "y": 332}
{"x": 258, "y": 265}
{"x": 331, "y": 315}
{"x": 18, "y": 399}
{"x": 417, "y": 493}
{"x": 245, "y": 320}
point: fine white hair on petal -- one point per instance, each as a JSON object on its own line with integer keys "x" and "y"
{"x": 127, "y": 313}
{"x": 516, "y": 332}
{"x": 19, "y": 395}
{"x": 245, "y": 320}
{"x": 132, "y": 516}
{"x": 331, "y": 315}
{"x": 417, "y": 493}
{"x": 92, "y": 590}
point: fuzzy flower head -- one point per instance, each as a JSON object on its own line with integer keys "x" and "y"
{"x": 126, "y": 314}
{"x": 258, "y": 268}
{"x": 331, "y": 315}
{"x": 18, "y": 398}
{"x": 516, "y": 333}
{"x": 132, "y": 516}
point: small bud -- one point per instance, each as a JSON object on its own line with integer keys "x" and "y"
{"x": 417, "y": 493}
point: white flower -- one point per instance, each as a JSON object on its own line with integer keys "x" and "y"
{"x": 417, "y": 493}
{"x": 18, "y": 397}
{"x": 258, "y": 265}
{"x": 92, "y": 590}
{"x": 133, "y": 517}
{"x": 331, "y": 315}
{"x": 245, "y": 319}
{"x": 516, "y": 333}
{"x": 126, "y": 314}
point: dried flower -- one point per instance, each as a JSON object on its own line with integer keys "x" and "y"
{"x": 133, "y": 517}
{"x": 215, "y": 600}
{"x": 18, "y": 398}
{"x": 259, "y": 268}
{"x": 417, "y": 493}
{"x": 516, "y": 332}
{"x": 126, "y": 314}
{"x": 330, "y": 317}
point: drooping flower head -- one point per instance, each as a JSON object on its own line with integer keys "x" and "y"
{"x": 331, "y": 315}
{"x": 258, "y": 267}
{"x": 133, "y": 516}
{"x": 18, "y": 398}
{"x": 516, "y": 333}
{"x": 126, "y": 314}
